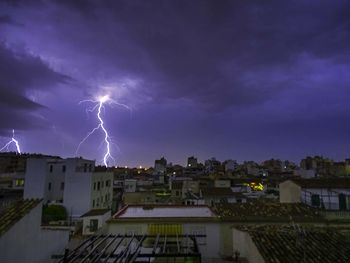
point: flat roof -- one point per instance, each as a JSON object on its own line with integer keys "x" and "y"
{"x": 166, "y": 211}
{"x": 96, "y": 212}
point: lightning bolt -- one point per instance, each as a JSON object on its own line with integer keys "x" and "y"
{"x": 13, "y": 140}
{"x": 99, "y": 106}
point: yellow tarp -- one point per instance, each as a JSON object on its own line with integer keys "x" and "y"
{"x": 165, "y": 229}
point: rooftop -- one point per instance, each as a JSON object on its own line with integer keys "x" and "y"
{"x": 301, "y": 245}
{"x": 220, "y": 192}
{"x": 15, "y": 212}
{"x": 268, "y": 211}
{"x": 96, "y": 212}
{"x": 165, "y": 211}
{"x": 323, "y": 183}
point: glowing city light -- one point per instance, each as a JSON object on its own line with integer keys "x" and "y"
{"x": 100, "y": 103}
{"x": 255, "y": 186}
{"x": 12, "y": 141}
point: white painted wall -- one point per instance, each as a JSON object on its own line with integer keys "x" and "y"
{"x": 243, "y": 243}
{"x": 77, "y": 190}
{"x": 27, "y": 242}
{"x": 222, "y": 183}
{"x": 329, "y": 197}
{"x": 290, "y": 192}
{"x": 55, "y": 176}
{"x": 101, "y": 222}
{"x": 102, "y": 196}
{"x": 35, "y": 179}
{"x": 130, "y": 185}
{"x": 211, "y": 246}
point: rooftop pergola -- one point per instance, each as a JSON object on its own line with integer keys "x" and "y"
{"x": 135, "y": 248}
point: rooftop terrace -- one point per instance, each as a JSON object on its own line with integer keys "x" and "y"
{"x": 166, "y": 211}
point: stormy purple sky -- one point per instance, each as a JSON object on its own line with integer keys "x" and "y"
{"x": 247, "y": 80}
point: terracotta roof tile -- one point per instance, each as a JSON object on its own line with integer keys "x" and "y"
{"x": 15, "y": 212}
{"x": 301, "y": 245}
{"x": 267, "y": 211}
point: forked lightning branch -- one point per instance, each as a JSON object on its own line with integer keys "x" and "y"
{"x": 99, "y": 105}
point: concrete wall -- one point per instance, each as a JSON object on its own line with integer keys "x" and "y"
{"x": 55, "y": 176}
{"x": 27, "y": 242}
{"x": 222, "y": 183}
{"x": 226, "y": 242}
{"x": 76, "y": 177}
{"x": 35, "y": 179}
{"x": 189, "y": 185}
{"x": 290, "y": 192}
{"x": 139, "y": 198}
{"x": 130, "y": 185}
{"x": 101, "y": 222}
{"x": 329, "y": 198}
{"x": 101, "y": 198}
{"x": 243, "y": 243}
{"x": 77, "y": 190}
{"x": 209, "y": 247}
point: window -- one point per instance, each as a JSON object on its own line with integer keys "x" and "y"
{"x": 98, "y": 202}
{"x": 85, "y": 167}
{"x": 49, "y": 187}
{"x": 94, "y": 185}
{"x": 108, "y": 183}
{"x": 62, "y": 186}
{"x": 90, "y": 167}
{"x": 315, "y": 200}
{"x": 98, "y": 186}
{"x": 93, "y": 225}
{"x": 93, "y": 203}
{"x": 102, "y": 183}
{"x": 19, "y": 182}
{"x": 63, "y": 168}
{"x": 51, "y": 168}
{"x": 342, "y": 202}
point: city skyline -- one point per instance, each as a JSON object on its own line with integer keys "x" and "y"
{"x": 242, "y": 81}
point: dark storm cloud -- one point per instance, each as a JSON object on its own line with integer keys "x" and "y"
{"x": 242, "y": 70}
{"x": 209, "y": 51}
{"x": 22, "y": 73}
{"x": 6, "y": 19}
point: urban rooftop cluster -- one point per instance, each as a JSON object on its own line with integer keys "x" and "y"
{"x": 211, "y": 212}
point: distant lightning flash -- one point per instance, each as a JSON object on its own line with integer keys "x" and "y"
{"x": 13, "y": 140}
{"x": 100, "y": 102}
